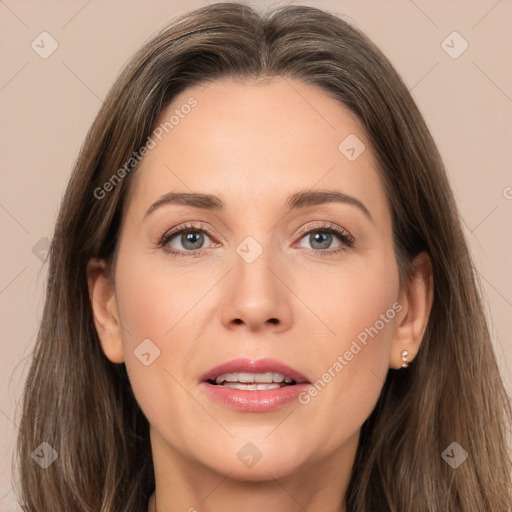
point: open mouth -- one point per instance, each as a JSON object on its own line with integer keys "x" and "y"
{"x": 253, "y": 381}
{"x": 262, "y": 385}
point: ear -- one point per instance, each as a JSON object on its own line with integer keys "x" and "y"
{"x": 104, "y": 308}
{"x": 416, "y": 301}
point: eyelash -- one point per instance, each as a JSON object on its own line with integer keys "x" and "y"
{"x": 345, "y": 238}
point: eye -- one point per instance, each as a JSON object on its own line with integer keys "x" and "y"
{"x": 322, "y": 238}
{"x": 190, "y": 239}
{"x": 186, "y": 240}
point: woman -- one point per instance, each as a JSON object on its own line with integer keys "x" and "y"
{"x": 259, "y": 291}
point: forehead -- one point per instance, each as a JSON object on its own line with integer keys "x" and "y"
{"x": 252, "y": 143}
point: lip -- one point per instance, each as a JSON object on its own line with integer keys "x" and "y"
{"x": 254, "y": 401}
{"x": 243, "y": 364}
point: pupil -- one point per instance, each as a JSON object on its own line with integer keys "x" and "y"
{"x": 324, "y": 240}
{"x": 192, "y": 240}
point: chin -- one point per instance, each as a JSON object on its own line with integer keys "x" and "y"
{"x": 248, "y": 464}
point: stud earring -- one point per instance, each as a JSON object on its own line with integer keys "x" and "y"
{"x": 404, "y": 355}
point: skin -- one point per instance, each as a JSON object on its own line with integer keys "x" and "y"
{"x": 253, "y": 145}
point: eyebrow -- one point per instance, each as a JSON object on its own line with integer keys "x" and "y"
{"x": 301, "y": 199}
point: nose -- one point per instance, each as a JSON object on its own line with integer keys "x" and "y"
{"x": 256, "y": 296}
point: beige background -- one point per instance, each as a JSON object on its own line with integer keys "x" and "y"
{"x": 47, "y": 105}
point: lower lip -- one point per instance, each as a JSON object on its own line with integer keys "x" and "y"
{"x": 255, "y": 401}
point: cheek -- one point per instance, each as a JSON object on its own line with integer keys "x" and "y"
{"x": 152, "y": 299}
{"x": 350, "y": 299}
{"x": 152, "y": 306}
{"x": 352, "y": 364}
{"x": 163, "y": 304}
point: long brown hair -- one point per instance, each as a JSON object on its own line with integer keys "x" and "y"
{"x": 82, "y": 404}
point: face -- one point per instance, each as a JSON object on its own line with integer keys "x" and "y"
{"x": 264, "y": 270}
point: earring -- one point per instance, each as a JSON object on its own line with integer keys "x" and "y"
{"x": 404, "y": 355}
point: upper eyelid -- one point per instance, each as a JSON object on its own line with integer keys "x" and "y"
{"x": 328, "y": 226}
{"x": 187, "y": 225}
{"x": 200, "y": 226}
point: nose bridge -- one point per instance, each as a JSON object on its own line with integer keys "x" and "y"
{"x": 256, "y": 295}
{"x": 252, "y": 275}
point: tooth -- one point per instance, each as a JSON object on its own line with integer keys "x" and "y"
{"x": 230, "y": 377}
{"x": 246, "y": 377}
{"x": 237, "y": 385}
{"x": 251, "y": 387}
{"x": 274, "y": 385}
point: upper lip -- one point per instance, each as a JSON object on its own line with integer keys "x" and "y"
{"x": 245, "y": 365}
